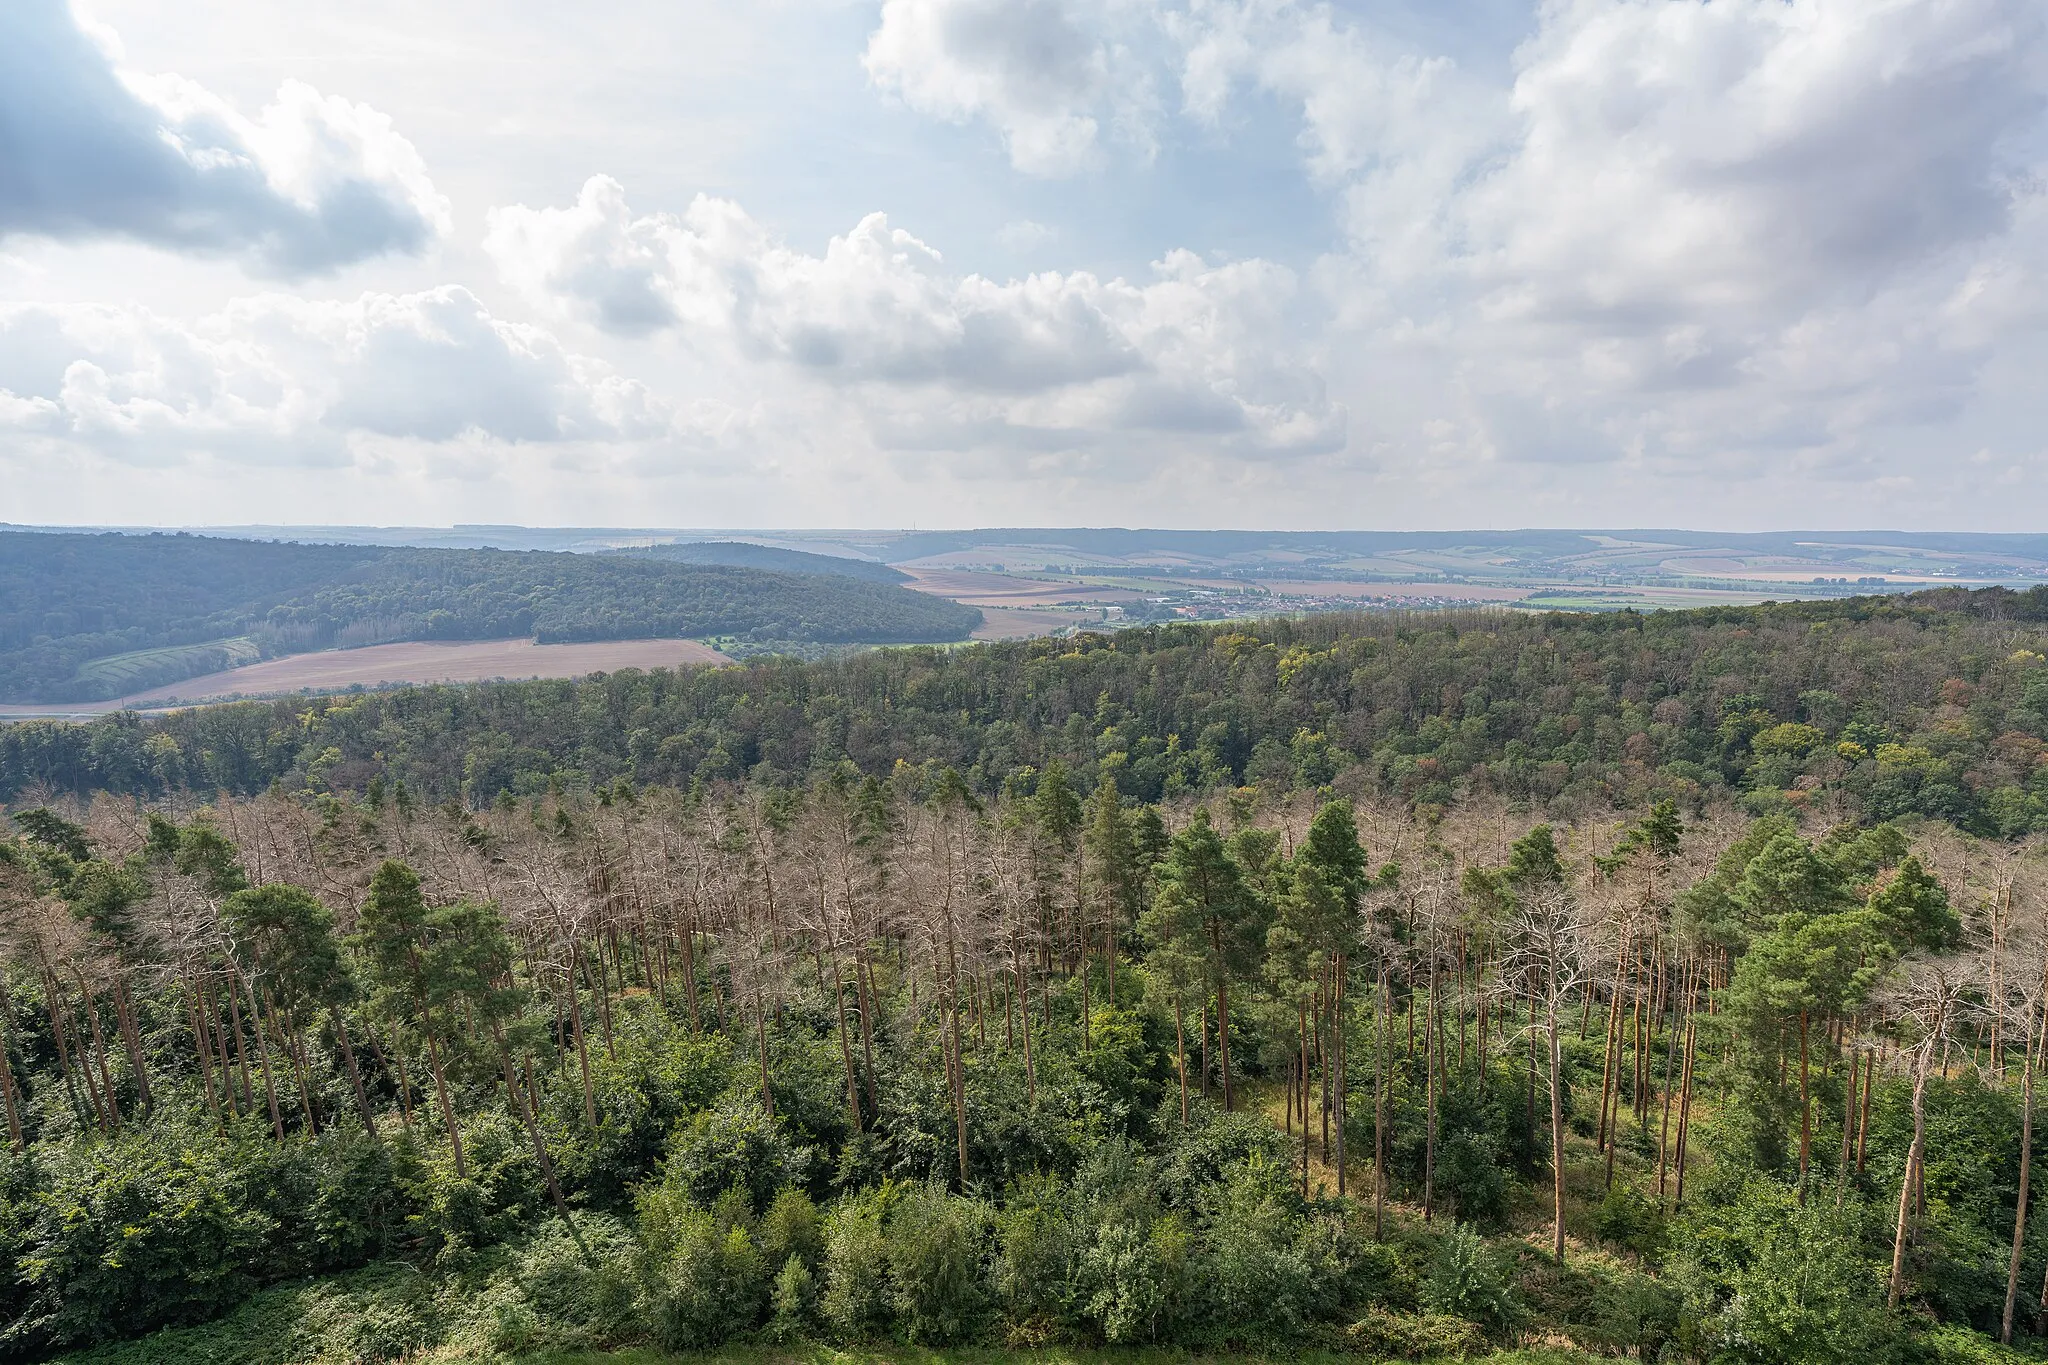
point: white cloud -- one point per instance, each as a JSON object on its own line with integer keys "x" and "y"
{"x": 1742, "y": 231}
{"x": 311, "y": 183}
{"x": 274, "y": 379}
{"x": 1047, "y": 74}
{"x": 1561, "y": 260}
{"x": 1049, "y": 359}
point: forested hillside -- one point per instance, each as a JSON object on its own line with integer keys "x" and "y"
{"x": 1935, "y": 705}
{"x": 1412, "y": 986}
{"x": 748, "y": 555}
{"x": 86, "y": 617}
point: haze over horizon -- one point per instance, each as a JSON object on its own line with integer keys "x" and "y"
{"x": 977, "y": 263}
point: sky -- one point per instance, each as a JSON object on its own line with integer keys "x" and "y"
{"x": 1740, "y": 264}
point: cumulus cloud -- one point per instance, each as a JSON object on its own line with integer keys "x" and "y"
{"x": 1050, "y": 358}
{"x": 276, "y": 379}
{"x": 1046, "y": 74}
{"x": 1688, "y": 229}
{"x": 311, "y": 183}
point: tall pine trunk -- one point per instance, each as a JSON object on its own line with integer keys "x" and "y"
{"x": 2019, "y": 1218}
{"x": 1180, "y": 1054}
{"x": 1556, "y": 1138}
{"x": 1908, "y": 1185}
{"x": 447, "y": 1106}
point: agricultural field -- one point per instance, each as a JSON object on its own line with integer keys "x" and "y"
{"x": 1018, "y": 623}
{"x": 144, "y": 668}
{"x": 1144, "y": 577}
{"x": 338, "y": 670}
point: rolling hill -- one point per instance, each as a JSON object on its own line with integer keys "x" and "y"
{"x": 746, "y": 554}
{"x": 88, "y": 617}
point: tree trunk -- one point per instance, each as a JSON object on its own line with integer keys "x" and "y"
{"x": 1383, "y": 1010}
{"x": 1805, "y": 1109}
{"x": 1031, "y": 1066}
{"x": 1338, "y": 1048}
{"x": 1664, "y": 1128}
{"x": 395, "y": 1065}
{"x": 1848, "y": 1128}
{"x": 1324, "y": 1047}
{"x": 1863, "y": 1119}
{"x": 1431, "y": 1042}
{"x": 1222, "y": 1011}
{"x": 60, "y": 1036}
{"x": 355, "y": 1075}
{"x": 1685, "y": 1112}
{"x": 99, "y": 1054}
{"x": 131, "y": 1040}
{"x": 447, "y": 1107}
{"x": 517, "y": 1095}
{"x": 1180, "y": 1054}
{"x": 263, "y": 1063}
{"x": 604, "y": 1004}
{"x": 1300, "y": 1088}
{"x": 1556, "y": 1140}
{"x": 761, "y": 1042}
{"x": 958, "y": 1083}
{"x": 864, "y": 998}
{"x": 7, "y": 1075}
{"x": 582, "y": 1045}
{"x": 1610, "y": 1059}
{"x": 1529, "y": 1093}
{"x": 846, "y": 1048}
{"x": 202, "y": 1047}
{"x": 1907, "y": 1186}
{"x": 2019, "y": 1217}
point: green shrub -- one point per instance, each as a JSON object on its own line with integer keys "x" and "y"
{"x": 1635, "y": 1314}
{"x": 578, "y": 1286}
{"x": 735, "y": 1145}
{"x": 856, "y": 1301}
{"x": 1416, "y": 1336}
{"x": 1471, "y": 1174}
{"x": 1197, "y": 1157}
{"x": 792, "y": 1305}
{"x": 711, "y": 1287}
{"x": 1467, "y": 1281}
{"x": 1256, "y": 1281}
{"x": 1631, "y": 1220}
{"x": 456, "y": 1214}
{"x": 1128, "y": 1283}
{"x": 1040, "y": 1245}
{"x": 148, "y": 1229}
{"x": 937, "y": 1243}
{"x": 791, "y": 1227}
{"x": 1767, "y": 1279}
{"x": 1950, "y": 1344}
{"x": 20, "y": 1180}
{"x": 656, "y": 1077}
{"x": 384, "y": 1330}
{"x": 339, "y": 1201}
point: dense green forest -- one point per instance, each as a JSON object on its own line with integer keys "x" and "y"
{"x": 348, "y": 1076}
{"x": 87, "y": 617}
{"x": 1668, "y": 987}
{"x": 1935, "y": 705}
{"x": 748, "y": 555}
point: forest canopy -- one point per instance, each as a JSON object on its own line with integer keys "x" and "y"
{"x": 89, "y": 617}
{"x": 1668, "y": 988}
{"x": 1934, "y": 705}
